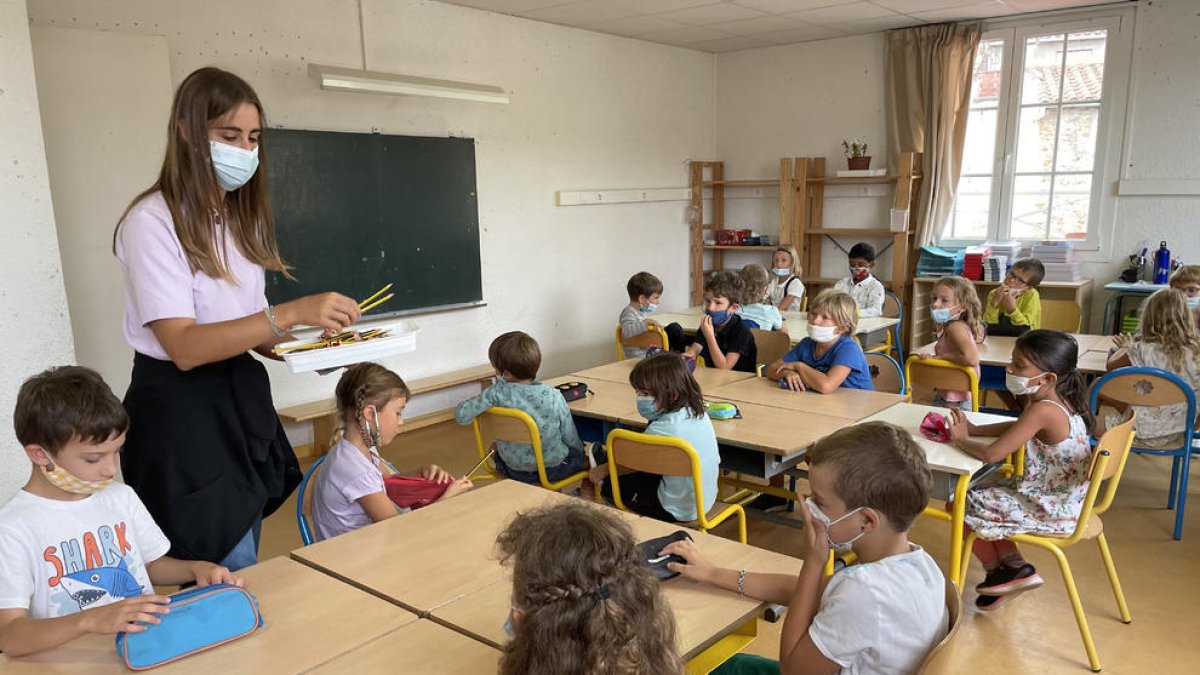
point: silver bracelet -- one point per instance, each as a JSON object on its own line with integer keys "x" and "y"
{"x": 741, "y": 580}
{"x": 270, "y": 312}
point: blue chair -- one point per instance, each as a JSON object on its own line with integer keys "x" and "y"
{"x": 1151, "y": 387}
{"x": 892, "y": 308}
{"x": 886, "y": 373}
{"x": 304, "y": 499}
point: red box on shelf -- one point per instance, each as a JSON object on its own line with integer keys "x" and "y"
{"x": 731, "y": 237}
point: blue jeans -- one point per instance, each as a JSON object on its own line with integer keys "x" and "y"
{"x": 573, "y": 463}
{"x": 245, "y": 553}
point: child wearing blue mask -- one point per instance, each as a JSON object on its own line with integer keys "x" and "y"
{"x": 868, "y": 483}
{"x": 956, "y": 313}
{"x": 1187, "y": 279}
{"x": 723, "y": 340}
{"x": 786, "y": 290}
{"x": 669, "y": 398}
{"x": 645, "y": 292}
{"x": 829, "y": 357}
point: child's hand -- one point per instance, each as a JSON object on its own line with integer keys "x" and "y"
{"x": 1123, "y": 341}
{"x": 651, "y": 323}
{"x": 128, "y": 615}
{"x": 960, "y": 427}
{"x": 207, "y": 574}
{"x": 697, "y": 566}
{"x": 815, "y": 536}
{"x": 706, "y": 326}
{"x": 794, "y": 381}
{"x": 457, "y": 488}
{"x": 435, "y": 473}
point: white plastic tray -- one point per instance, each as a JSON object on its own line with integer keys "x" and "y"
{"x": 403, "y": 339}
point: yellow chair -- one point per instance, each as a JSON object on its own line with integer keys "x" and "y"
{"x": 936, "y": 661}
{"x": 925, "y": 375}
{"x": 771, "y": 345}
{"x": 1063, "y": 315}
{"x": 654, "y": 336}
{"x": 1108, "y": 464}
{"x": 515, "y": 426}
{"x": 667, "y": 456}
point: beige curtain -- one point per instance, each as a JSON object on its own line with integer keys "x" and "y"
{"x": 927, "y": 92}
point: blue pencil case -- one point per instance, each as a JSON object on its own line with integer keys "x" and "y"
{"x": 200, "y": 619}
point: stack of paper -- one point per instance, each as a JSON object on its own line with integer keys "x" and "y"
{"x": 995, "y": 266}
{"x": 973, "y": 261}
{"x": 1059, "y": 259}
{"x": 936, "y": 262}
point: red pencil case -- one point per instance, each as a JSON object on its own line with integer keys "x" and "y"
{"x": 935, "y": 427}
{"x": 411, "y": 492}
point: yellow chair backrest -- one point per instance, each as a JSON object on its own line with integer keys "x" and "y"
{"x": 515, "y": 426}
{"x": 654, "y": 336}
{"x": 936, "y": 661}
{"x": 1061, "y": 315}
{"x": 771, "y": 345}
{"x": 925, "y": 375}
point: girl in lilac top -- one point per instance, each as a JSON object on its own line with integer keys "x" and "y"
{"x": 205, "y": 451}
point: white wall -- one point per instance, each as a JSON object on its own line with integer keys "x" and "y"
{"x": 36, "y": 331}
{"x": 587, "y": 111}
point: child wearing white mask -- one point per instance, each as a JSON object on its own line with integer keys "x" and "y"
{"x": 868, "y": 482}
{"x": 956, "y": 310}
{"x": 1047, "y": 497}
{"x": 829, "y": 357}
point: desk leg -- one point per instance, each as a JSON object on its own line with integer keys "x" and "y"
{"x": 957, "y": 572}
{"x": 1114, "y": 302}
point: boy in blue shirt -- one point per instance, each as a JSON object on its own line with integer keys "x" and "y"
{"x": 829, "y": 357}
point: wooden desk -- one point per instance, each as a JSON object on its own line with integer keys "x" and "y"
{"x": 309, "y": 618}
{"x": 431, "y": 556}
{"x": 797, "y": 322}
{"x": 707, "y": 378}
{"x": 703, "y": 613}
{"x": 996, "y": 350}
{"x": 850, "y": 404}
{"x": 611, "y": 401}
{"x": 420, "y": 648}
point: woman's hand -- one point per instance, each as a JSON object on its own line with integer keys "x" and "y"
{"x": 331, "y": 311}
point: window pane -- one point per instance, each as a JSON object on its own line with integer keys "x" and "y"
{"x": 1085, "y": 66}
{"x": 1043, "y": 68}
{"x": 1077, "y": 137}
{"x": 989, "y": 65}
{"x": 1031, "y": 207}
{"x": 1069, "y": 212}
{"x": 971, "y": 208}
{"x": 980, "y": 144}
{"x": 1035, "y": 139}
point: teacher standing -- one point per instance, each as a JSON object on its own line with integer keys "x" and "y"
{"x": 205, "y": 450}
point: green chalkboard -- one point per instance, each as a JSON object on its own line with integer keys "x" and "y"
{"x": 354, "y": 212}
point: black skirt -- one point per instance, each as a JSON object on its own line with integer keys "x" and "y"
{"x": 206, "y": 452}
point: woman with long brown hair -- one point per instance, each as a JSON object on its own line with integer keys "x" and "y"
{"x": 205, "y": 450}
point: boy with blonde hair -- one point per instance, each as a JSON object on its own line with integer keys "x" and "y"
{"x": 829, "y": 357}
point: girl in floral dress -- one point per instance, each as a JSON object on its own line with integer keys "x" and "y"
{"x": 1048, "y": 497}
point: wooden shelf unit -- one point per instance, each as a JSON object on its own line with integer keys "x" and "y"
{"x": 921, "y": 325}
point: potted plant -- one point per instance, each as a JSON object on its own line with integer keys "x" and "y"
{"x": 857, "y": 158}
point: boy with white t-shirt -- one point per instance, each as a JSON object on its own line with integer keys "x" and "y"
{"x": 71, "y": 539}
{"x": 879, "y": 616}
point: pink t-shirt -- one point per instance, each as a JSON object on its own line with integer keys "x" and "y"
{"x": 159, "y": 284}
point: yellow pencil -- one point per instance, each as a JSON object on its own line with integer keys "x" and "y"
{"x": 378, "y": 293}
{"x": 377, "y": 303}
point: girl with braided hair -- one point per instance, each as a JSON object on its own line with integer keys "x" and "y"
{"x": 582, "y": 602}
{"x": 348, "y": 491}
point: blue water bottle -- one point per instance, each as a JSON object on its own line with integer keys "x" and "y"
{"x": 1162, "y": 263}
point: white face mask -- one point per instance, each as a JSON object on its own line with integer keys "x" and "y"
{"x": 843, "y": 547}
{"x": 1193, "y": 303}
{"x": 233, "y": 165}
{"x": 822, "y": 334}
{"x": 1020, "y": 385}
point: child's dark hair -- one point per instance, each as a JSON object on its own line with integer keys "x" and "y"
{"x": 862, "y": 250}
{"x": 879, "y": 466}
{"x": 666, "y": 377}
{"x": 1056, "y": 352}
{"x": 726, "y": 284}
{"x": 362, "y": 385}
{"x": 1033, "y": 267}
{"x": 65, "y": 403}
{"x": 643, "y": 283}
{"x": 589, "y": 605}
{"x": 517, "y": 354}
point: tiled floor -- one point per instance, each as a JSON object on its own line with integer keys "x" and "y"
{"x": 1036, "y": 632}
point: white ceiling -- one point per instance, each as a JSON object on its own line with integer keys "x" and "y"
{"x": 731, "y": 25}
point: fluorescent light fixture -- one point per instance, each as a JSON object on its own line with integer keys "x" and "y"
{"x": 351, "y": 79}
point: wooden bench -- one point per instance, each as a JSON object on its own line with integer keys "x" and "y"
{"x": 323, "y": 414}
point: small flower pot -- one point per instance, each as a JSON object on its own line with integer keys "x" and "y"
{"x": 859, "y": 163}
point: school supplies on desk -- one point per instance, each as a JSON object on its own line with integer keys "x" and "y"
{"x": 720, "y": 410}
{"x": 413, "y": 492}
{"x": 658, "y": 563}
{"x": 935, "y": 427}
{"x": 200, "y": 619}
{"x": 349, "y": 347}
{"x": 573, "y": 391}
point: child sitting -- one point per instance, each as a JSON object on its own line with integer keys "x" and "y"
{"x": 348, "y": 492}
{"x": 1167, "y": 340}
{"x": 829, "y": 357}
{"x": 1014, "y": 306}
{"x": 79, "y": 552}
{"x": 723, "y": 340}
{"x": 866, "y": 290}
{"x": 1187, "y": 279}
{"x": 516, "y": 358}
{"x": 583, "y": 602}
{"x": 955, "y": 310}
{"x": 868, "y": 482}
{"x": 757, "y": 313}
{"x": 669, "y": 398}
{"x": 1048, "y": 497}
{"x": 645, "y": 292}
{"x": 786, "y": 290}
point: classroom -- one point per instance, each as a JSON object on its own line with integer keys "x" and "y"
{"x": 588, "y": 141}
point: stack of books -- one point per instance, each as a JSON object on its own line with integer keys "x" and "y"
{"x": 1059, "y": 259}
{"x": 995, "y": 266}
{"x": 936, "y": 262}
{"x": 973, "y": 261}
